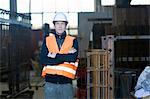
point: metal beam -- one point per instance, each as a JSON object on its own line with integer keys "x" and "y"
{"x": 133, "y": 37}
{"x": 13, "y": 9}
{"x": 10, "y": 21}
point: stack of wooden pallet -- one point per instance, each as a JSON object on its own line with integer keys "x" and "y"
{"x": 98, "y": 75}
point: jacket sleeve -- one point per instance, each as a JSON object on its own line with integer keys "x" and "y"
{"x": 71, "y": 57}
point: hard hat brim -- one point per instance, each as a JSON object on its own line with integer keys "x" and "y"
{"x": 60, "y": 21}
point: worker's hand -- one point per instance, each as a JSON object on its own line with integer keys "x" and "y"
{"x": 72, "y": 50}
{"x": 52, "y": 55}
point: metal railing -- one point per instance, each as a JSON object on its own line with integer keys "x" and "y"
{"x": 15, "y": 52}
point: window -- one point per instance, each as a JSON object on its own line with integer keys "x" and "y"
{"x": 4, "y": 4}
{"x": 48, "y": 8}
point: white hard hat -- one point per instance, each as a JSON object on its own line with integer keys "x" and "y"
{"x": 60, "y": 17}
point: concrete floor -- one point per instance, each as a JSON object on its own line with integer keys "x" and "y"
{"x": 38, "y": 93}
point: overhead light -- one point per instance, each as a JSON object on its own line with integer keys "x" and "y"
{"x": 107, "y": 2}
{"x": 140, "y": 2}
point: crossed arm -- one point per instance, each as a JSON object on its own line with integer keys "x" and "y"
{"x": 56, "y": 58}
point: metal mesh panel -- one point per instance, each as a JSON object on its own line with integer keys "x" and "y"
{"x": 15, "y": 51}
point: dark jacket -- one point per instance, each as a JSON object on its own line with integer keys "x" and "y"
{"x": 60, "y": 58}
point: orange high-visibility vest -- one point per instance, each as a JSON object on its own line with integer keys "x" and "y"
{"x": 53, "y": 47}
{"x": 66, "y": 69}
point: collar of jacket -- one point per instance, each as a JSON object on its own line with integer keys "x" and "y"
{"x": 60, "y": 36}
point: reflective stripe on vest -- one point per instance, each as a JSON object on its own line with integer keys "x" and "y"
{"x": 66, "y": 69}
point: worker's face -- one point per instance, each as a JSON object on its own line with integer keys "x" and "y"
{"x": 60, "y": 27}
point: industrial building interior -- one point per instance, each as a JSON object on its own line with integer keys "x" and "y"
{"x": 114, "y": 46}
